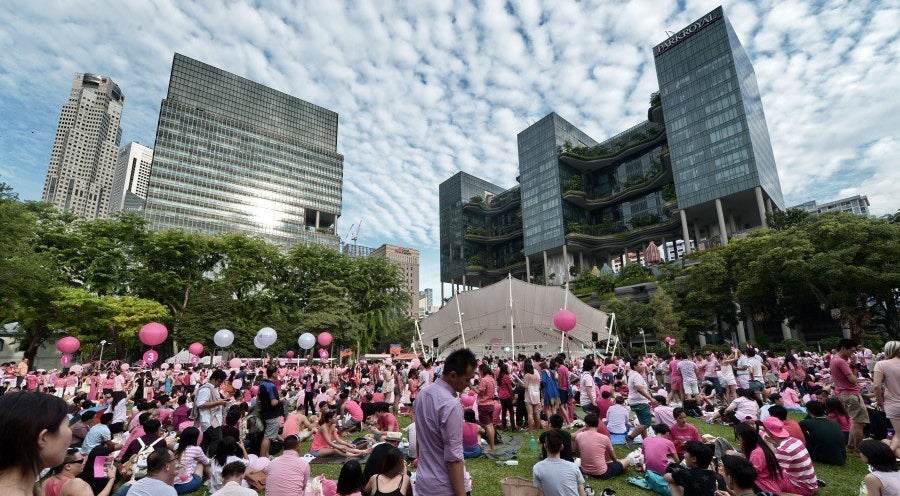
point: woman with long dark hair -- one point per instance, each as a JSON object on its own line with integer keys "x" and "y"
{"x": 505, "y": 393}
{"x": 760, "y": 455}
{"x": 532, "y": 396}
{"x": 391, "y": 480}
{"x": 34, "y": 435}
{"x": 189, "y": 454}
{"x": 350, "y": 481}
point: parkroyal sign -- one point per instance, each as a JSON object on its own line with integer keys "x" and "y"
{"x": 689, "y": 31}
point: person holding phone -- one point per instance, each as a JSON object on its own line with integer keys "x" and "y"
{"x": 65, "y": 480}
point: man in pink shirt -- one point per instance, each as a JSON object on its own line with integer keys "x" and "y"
{"x": 487, "y": 387}
{"x": 846, "y": 387}
{"x": 659, "y": 450}
{"x": 597, "y": 456}
{"x": 287, "y": 474}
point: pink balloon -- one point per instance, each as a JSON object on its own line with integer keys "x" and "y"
{"x": 323, "y": 353}
{"x": 68, "y": 344}
{"x": 124, "y": 367}
{"x": 65, "y": 359}
{"x": 564, "y": 320}
{"x": 235, "y": 363}
{"x": 150, "y": 357}
{"x": 153, "y": 334}
{"x": 196, "y": 348}
{"x": 290, "y": 354}
{"x": 325, "y": 339}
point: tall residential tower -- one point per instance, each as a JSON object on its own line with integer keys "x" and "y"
{"x": 83, "y": 159}
{"x": 232, "y": 155}
{"x": 132, "y": 178}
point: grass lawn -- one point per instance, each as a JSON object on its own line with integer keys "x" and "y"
{"x": 486, "y": 474}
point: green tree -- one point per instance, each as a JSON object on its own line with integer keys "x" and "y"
{"x": 329, "y": 310}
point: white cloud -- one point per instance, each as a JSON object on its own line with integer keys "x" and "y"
{"x": 425, "y": 89}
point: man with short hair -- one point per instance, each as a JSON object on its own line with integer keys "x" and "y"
{"x": 639, "y": 398}
{"x": 211, "y": 411}
{"x": 846, "y": 386}
{"x": 825, "y": 439}
{"x": 99, "y": 434}
{"x": 556, "y": 425}
{"x": 696, "y": 479}
{"x": 775, "y": 399}
{"x": 553, "y": 475}
{"x": 271, "y": 408}
{"x": 439, "y": 428}
{"x": 160, "y": 479}
{"x": 81, "y": 428}
{"x": 596, "y": 451}
{"x": 287, "y": 475}
{"x": 152, "y": 437}
{"x": 232, "y": 475}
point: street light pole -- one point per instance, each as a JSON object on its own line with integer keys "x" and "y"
{"x": 644, "y": 336}
{"x": 102, "y": 344}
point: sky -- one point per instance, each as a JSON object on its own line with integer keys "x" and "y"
{"x": 426, "y": 89}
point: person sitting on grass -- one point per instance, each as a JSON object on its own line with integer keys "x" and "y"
{"x": 471, "y": 437}
{"x": 681, "y": 431}
{"x": 556, "y": 423}
{"x": 385, "y": 421}
{"x": 761, "y": 456}
{"x": 232, "y": 476}
{"x": 350, "y": 482}
{"x": 663, "y": 413}
{"x": 659, "y": 450}
{"x": 391, "y": 479}
{"x": 617, "y": 417}
{"x": 553, "y": 475}
{"x": 824, "y": 439}
{"x": 741, "y": 409}
{"x": 740, "y": 478}
{"x": 884, "y": 478}
{"x": 597, "y": 456}
{"x": 327, "y": 441}
{"x": 697, "y": 479}
{"x": 798, "y": 473}
{"x": 790, "y": 425}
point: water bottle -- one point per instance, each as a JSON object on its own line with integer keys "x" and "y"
{"x": 533, "y": 443}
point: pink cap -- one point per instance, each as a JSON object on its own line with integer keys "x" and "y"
{"x": 775, "y": 427}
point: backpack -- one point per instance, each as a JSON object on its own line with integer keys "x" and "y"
{"x": 136, "y": 466}
{"x": 194, "y": 414}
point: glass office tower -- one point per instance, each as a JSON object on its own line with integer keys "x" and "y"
{"x": 232, "y": 155}
{"x": 542, "y": 206}
{"x": 716, "y": 127}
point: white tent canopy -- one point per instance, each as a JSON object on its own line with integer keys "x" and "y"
{"x": 486, "y": 321}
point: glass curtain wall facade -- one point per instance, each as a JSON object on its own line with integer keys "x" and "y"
{"x": 717, "y": 131}
{"x": 453, "y": 193}
{"x": 232, "y": 155}
{"x": 542, "y": 209}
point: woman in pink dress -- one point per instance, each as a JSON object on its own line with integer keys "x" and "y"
{"x": 676, "y": 382}
{"x": 93, "y": 381}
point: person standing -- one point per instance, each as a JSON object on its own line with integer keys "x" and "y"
{"x": 211, "y": 412}
{"x": 505, "y": 393}
{"x": 439, "y": 422}
{"x": 887, "y": 388}
{"x": 555, "y": 476}
{"x": 688, "y": 370}
{"x": 271, "y": 408}
{"x": 487, "y": 387}
{"x": 288, "y": 474}
{"x": 846, "y": 386}
{"x": 588, "y": 396}
{"x": 21, "y": 372}
{"x": 639, "y": 398}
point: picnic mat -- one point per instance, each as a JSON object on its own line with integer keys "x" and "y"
{"x": 506, "y": 450}
{"x": 322, "y": 460}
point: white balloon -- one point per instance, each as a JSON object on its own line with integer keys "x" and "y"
{"x": 267, "y": 336}
{"x": 306, "y": 341}
{"x": 258, "y": 343}
{"x": 223, "y": 338}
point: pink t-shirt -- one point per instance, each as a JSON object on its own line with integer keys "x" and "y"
{"x": 791, "y": 397}
{"x": 470, "y": 435}
{"x": 842, "y": 420}
{"x": 840, "y": 369}
{"x": 681, "y": 435}
{"x": 354, "y": 410}
{"x": 487, "y": 387}
{"x": 656, "y": 453}
{"x": 595, "y": 449}
{"x": 764, "y": 478}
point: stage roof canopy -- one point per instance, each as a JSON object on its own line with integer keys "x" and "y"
{"x": 486, "y": 321}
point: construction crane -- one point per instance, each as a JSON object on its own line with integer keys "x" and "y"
{"x": 353, "y": 236}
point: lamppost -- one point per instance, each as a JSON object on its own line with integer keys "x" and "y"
{"x": 644, "y": 337}
{"x": 102, "y": 344}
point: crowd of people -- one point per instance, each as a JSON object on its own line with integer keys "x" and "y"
{"x": 241, "y": 429}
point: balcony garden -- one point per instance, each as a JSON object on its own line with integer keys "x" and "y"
{"x": 629, "y": 139}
